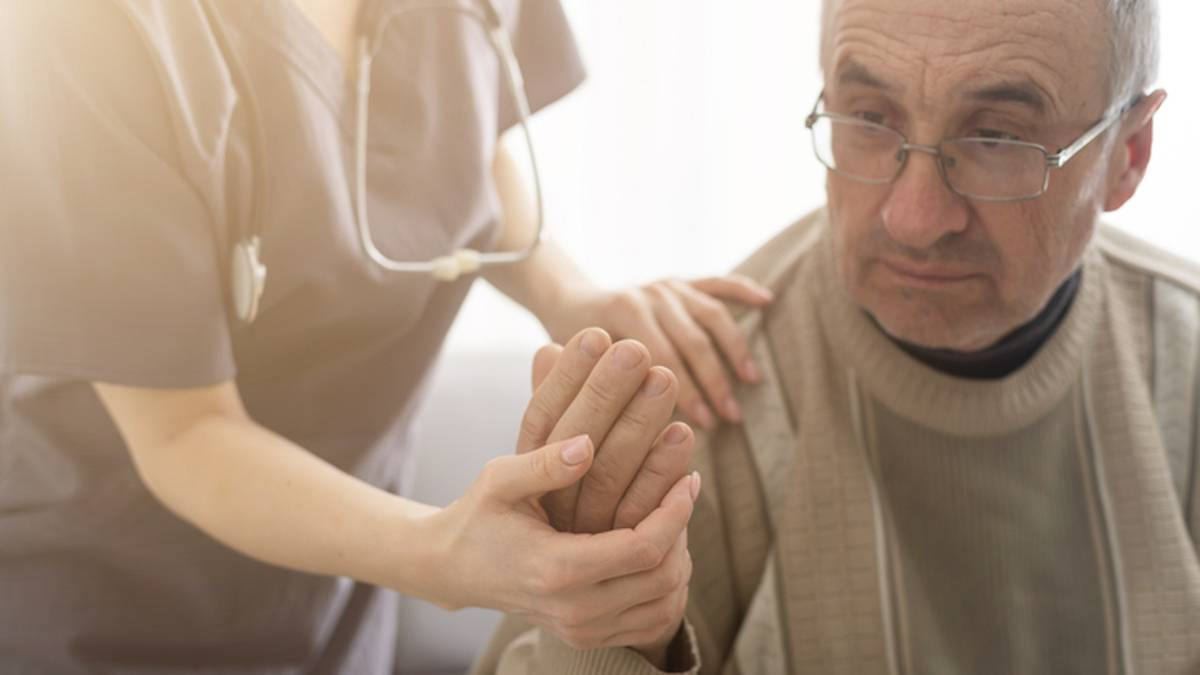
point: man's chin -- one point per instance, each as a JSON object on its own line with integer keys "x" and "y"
{"x": 934, "y": 334}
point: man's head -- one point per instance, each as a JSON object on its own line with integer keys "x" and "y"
{"x": 935, "y": 268}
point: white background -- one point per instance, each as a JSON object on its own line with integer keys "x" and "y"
{"x": 686, "y": 148}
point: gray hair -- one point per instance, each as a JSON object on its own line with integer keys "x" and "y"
{"x": 1133, "y": 45}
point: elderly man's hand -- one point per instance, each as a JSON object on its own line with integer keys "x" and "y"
{"x": 686, "y": 328}
{"x": 611, "y": 393}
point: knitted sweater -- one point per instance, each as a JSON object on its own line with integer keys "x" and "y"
{"x": 873, "y": 515}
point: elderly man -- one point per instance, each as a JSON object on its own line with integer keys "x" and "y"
{"x": 974, "y": 448}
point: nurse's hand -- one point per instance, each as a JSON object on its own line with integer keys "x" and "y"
{"x": 495, "y": 548}
{"x": 686, "y": 327}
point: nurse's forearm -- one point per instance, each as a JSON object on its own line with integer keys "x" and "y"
{"x": 548, "y": 279}
{"x": 269, "y": 499}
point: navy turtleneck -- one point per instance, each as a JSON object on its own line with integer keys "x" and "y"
{"x": 1010, "y": 352}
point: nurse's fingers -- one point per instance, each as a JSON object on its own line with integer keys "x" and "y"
{"x": 690, "y": 401}
{"x": 715, "y": 318}
{"x": 735, "y": 287}
{"x": 646, "y": 604}
{"x": 659, "y": 634}
{"x": 668, "y": 460}
{"x": 604, "y": 600}
{"x": 694, "y": 343}
{"x": 617, "y": 553}
{"x": 511, "y": 479}
{"x": 620, "y": 458}
{"x": 559, "y": 388}
{"x": 601, "y": 400}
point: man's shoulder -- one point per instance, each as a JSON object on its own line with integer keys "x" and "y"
{"x": 1147, "y": 262}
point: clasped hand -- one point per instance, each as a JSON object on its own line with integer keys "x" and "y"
{"x": 584, "y": 531}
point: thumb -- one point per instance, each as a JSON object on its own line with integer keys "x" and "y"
{"x": 515, "y": 478}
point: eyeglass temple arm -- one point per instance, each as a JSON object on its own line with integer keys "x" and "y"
{"x": 1064, "y": 155}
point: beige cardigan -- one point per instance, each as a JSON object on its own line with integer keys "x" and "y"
{"x": 787, "y": 537}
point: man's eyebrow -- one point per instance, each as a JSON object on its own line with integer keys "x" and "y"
{"x": 1021, "y": 93}
{"x": 853, "y": 72}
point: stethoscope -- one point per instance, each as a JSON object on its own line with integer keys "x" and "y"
{"x": 248, "y": 274}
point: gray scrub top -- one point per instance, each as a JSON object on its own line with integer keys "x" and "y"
{"x": 125, "y": 172}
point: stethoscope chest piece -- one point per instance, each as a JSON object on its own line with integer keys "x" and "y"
{"x": 249, "y": 277}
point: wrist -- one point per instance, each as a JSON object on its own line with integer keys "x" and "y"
{"x": 570, "y": 307}
{"x": 413, "y": 547}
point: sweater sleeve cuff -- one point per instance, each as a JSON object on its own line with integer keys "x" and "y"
{"x": 557, "y": 657}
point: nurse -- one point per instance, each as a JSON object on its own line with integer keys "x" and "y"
{"x": 185, "y": 489}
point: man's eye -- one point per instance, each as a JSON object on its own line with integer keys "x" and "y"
{"x": 871, "y": 116}
{"x": 994, "y": 133}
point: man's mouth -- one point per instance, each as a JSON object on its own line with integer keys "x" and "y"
{"x": 925, "y": 275}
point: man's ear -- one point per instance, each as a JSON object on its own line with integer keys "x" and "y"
{"x": 1133, "y": 153}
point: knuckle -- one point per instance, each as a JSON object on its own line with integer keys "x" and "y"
{"x": 670, "y": 577}
{"x": 629, "y": 513}
{"x": 635, "y": 418}
{"x": 598, "y": 394}
{"x": 709, "y": 310}
{"x": 550, "y": 583}
{"x": 540, "y": 467}
{"x": 627, "y": 301}
{"x": 551, "y": 577}
{"x": 663, "y": 612}
{"x": 645, "y": 554}
{"x": 602, "y": 480}
{"x": 712, "y": 379}
{"x": 489, "y": 476}
{"x": 537, "y": 421}
{"x": 572, "y": 618}
{"x": 696, "y": 341}
{"x": 680, "y": 575}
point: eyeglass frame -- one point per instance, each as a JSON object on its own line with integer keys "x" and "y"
{"x": 1055, "y": 160}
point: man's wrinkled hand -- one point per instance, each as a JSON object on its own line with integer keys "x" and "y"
{"x": 611, "y": 393}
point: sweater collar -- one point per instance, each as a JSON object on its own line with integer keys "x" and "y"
{"x": 914, "y": 389}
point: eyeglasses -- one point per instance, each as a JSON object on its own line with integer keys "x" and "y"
{"x": 978, "y": 168}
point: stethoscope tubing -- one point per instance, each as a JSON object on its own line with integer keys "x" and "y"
{"x": 462, "y": 261}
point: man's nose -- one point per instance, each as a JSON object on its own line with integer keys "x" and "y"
{"x": 920, "y": 208}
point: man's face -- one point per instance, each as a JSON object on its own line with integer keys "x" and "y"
{"x": 933, "y": 268}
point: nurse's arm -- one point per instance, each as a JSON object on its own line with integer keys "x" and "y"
{"x": 200, "y": 453}
{"x": 684, "y": 324}
{"x": 202, "y": 456}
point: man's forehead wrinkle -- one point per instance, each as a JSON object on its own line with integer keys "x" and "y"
{"x": 949, "y": 51}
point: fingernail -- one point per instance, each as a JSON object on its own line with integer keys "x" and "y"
{"x": 676, "y": 434}
{"x": 576, "y": 451}
{"x": 695, "y": 486}
{"x": 766, "y": 294}
{"x": 627, "y": 356}
{"x": 751, "y": 371}
{"x": 703, "y": 415}
{"x": 731, "y": 410}
{"x": 655, "y": 384}
{"x": 593, "y": 343}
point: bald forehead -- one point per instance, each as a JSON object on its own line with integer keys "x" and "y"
{"x": 1051, "y": 53}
